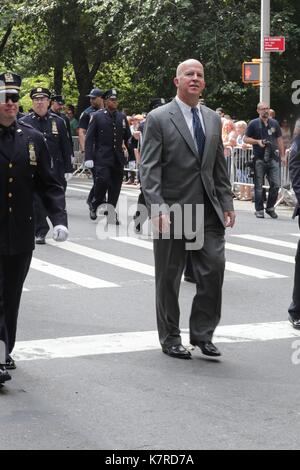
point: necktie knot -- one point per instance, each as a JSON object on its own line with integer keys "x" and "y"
{"x": 7, "y": 131}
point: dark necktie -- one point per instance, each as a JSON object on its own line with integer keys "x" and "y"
{"x": 7, "y": 134}
{"x": 198, "y": 131}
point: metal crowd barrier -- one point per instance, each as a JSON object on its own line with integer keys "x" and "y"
{"x": 80, "y": 169}
{"x": 78, "y": 163}
{"x": 241, "y": 180}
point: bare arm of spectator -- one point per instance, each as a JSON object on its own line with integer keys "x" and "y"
{"x": 81, "y": 137}
{"x": 281, "y": 147}
{"x": 251, "y": 141}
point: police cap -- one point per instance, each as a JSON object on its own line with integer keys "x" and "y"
{"x": 110, "y": 94}
{"x": 10, "y": 83}
{"x": 95, "y": 93}
{"x": 156, "y": 102}
{"x": 40, "y": 92}
{"x": 58, "y": 98}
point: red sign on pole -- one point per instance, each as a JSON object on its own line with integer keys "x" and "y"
{"x": 274, "y": 44}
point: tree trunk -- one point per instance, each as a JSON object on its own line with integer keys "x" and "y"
{"x": 82, "y": 74}
{"x": 5, "y": 38}
{"x": 58, "y": 78}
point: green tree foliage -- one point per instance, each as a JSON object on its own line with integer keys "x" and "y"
{"x": 136, "y": 45}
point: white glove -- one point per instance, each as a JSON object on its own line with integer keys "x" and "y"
{"x": 68, "y": 176}
{"x": 89, "y": 164}
{"x": 60, "y": 233}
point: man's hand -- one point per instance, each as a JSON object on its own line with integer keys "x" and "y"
{"x": 89, "y": 164}
{"x": 60, "y": 233}
{"x": 162, "y": 223}
{"x": 261, "y": 144}
{"x": 229, "y": 218}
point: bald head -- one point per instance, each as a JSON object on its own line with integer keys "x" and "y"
{"x": 189, "y": 81}
{"x": 187, "y": 63}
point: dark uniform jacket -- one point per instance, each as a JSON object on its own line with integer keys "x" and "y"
{"x": 105, "y": 137}
{"x": 68, "y": 127}
{"x": 294, "y": 167}
{"x": 25, "y": 167}
{"x": 55, "y": 132}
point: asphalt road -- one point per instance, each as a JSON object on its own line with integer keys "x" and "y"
{"x": 107, "y": 385}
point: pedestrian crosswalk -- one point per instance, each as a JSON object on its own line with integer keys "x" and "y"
{"x": 116, "y": 343}
{"x": 250, "y": 257}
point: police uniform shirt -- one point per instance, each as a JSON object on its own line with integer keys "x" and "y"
{"x": 105, "y": 137}
{"x": 55, "y": 132}
{"x": 25, "y": 167}
{"x": 67, "y": 124}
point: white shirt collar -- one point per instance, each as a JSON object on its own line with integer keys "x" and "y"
{"x": 187, "y": 114}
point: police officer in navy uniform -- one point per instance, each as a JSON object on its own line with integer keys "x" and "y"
{"x": 55, "y": 132}
{"x": 96, "y": 103}
{"x": 25, "y": 167}
{"x": 106, "y": 136}
{"x": 56, "y": 106}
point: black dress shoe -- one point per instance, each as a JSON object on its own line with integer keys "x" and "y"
{"x": 295, "y": 322}
{"x": 4, "y": 375}
{"x": 207, "y": 348}
{"x": 272, "y": 213}
{"x": 189, "y": 279}
{"x": 40, "y": 240}
{"x": 10, "y": 363}
{"x": 177, "y": 350}
{"x": 93, "y": 214}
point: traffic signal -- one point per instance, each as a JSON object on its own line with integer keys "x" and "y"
{"x": 251, "y": 72}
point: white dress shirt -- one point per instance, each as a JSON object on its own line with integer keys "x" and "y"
{"x": 188, "y": 116}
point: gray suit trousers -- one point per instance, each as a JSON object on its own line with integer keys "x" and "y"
{"x": 208, "y": 267}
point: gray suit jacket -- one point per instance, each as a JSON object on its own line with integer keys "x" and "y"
{"x": 171, "y": 169}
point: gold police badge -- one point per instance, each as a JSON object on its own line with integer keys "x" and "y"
{"x": 54, "y": 128}
{"x": 32, "y": 155}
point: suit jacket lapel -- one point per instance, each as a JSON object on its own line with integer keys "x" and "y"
{"x": 178, "y": 119}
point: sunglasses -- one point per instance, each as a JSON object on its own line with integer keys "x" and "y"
{"x": 14, "y": 98}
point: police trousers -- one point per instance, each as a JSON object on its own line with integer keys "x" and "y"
{"x": 107, "y": 179}
{"x": 13, "y": 272}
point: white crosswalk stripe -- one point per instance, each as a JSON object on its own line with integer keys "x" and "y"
{"x": 261, "y": 253}
{"x": 117, "y": 343}
{"x": 234, "y": 267}
{"x": 267, "y": 241}
{"x": 118, "y": 261}
{"x": 130, "y": 261}
{"x": 82, "y": 188}
{"x": 81, "y": 279}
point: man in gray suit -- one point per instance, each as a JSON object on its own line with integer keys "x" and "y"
{"x": 183, "y": 163}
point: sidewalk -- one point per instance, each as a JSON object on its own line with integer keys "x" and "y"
{"x": 248, "y": 206}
